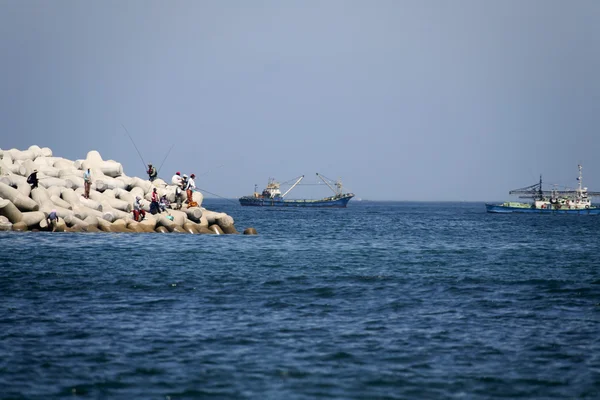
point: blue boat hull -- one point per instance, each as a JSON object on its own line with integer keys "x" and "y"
{"x": 339, "y": 202}
{"x": 498, "y": 208}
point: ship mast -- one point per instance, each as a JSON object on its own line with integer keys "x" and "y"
{"x": 580, "y": 179}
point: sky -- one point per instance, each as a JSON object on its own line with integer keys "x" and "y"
{"x": 403, "y": 100}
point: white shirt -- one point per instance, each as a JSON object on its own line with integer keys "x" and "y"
{"x": 190, "y": 184}
{"x": 176, "y": 180}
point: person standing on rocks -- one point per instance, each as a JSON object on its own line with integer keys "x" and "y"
{"x": 32, "y": 179}
{"x": 189, "y": 188}
{"x": 154, "y": 208}
{"x": 151, "y": 172}
{"x": 87, "y": 183}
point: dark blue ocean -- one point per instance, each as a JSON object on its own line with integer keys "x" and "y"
{"x": 382, "y": 300}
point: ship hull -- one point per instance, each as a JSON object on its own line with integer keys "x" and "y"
{"x": 339, "y": 202}
{"x": 501, "y": 209}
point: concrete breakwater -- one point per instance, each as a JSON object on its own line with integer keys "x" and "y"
{"x": 108, "y": 208}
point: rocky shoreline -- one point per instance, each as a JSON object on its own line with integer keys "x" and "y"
{"x": 110, "y": 203}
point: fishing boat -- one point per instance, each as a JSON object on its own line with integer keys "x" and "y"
{"x": 271, "y": 196}
{"x": 553, "y": 201}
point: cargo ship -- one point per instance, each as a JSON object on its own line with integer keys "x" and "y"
{"x": 271, "y": 196}
{"x": 553, "y": 201}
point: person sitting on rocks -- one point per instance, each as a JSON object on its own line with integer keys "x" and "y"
{"x": 151, "y": 172}
{"x": 32, "y": 179}
{"x": 154, "y": 207}
{"x": 138, "y": 212}
{"x": 164, "y": 203}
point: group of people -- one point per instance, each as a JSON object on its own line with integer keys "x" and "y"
{"x": 157, "y": 205}
{"x": 187, "y": 184}
{"x": 183, "y": 183}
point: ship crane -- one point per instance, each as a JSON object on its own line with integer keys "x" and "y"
{"x": 338, "y": 184}
{"x": 293, "y": 186}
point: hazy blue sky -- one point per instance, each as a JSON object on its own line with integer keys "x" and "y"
{"x": 405, "y": 100}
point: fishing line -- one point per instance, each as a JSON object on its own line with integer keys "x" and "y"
{"x": 136, "y": 149}
{"x": 212, "y": 169}
{"x": 214, "y": 194}
{"x": 165, "y": 159}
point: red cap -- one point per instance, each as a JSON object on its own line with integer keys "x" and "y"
{"x": 193, "y": 175}
{"x": 178, "y": 173}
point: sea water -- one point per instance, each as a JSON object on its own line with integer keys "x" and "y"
{"x": 385, "y": 300}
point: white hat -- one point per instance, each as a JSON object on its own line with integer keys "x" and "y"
{"x": 184, "y": 175}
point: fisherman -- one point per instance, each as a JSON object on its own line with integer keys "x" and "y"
{"x": 176, "y": 179}
{"x": 154, "y": 208}
{"x": 138, "y": 212}
{"x": 178, "y": 197}
{"x": 32, "y": 179}
{"x": 52, "y": 220}
{"x": 164, "y": 203}
{"x": 87, "y": 183}
{"x": 189, "y": 188}
{"x": 151, "y": 172}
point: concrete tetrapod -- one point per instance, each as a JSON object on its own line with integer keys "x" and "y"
{"x": 5, "y": 224}
{"x": 72, "y": 221}
{"x": 33, "y": 218}
{"x": 60, "y": 202}
{"x": 7, "y": 165}
{"x": 54, "y": 191}
{"x": 226, "y": 223}
{"x": 109, "y": 198}
{"x": 193, "y": 214}
{"x": 216, "y": 229}
{"x": 19, "y": 226}
{"x": 91, "y": 220}
{"x": 191, "y": 227}
{"x": 47, "y": 182}
{"x": 18, "y": 182}
{"x": 124, "y": 195}
{"x": 70, "y": 197}
{"x": 74, "y": 182}
{"x": 162, "y": 220}
{"x": 40, "y": 196}
{"x": 10, "y": 211}
{"x": 23, "y": 203}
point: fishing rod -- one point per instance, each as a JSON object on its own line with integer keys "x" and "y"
{"x": 165, "y": 159}
{"x": 130, "y": 138}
